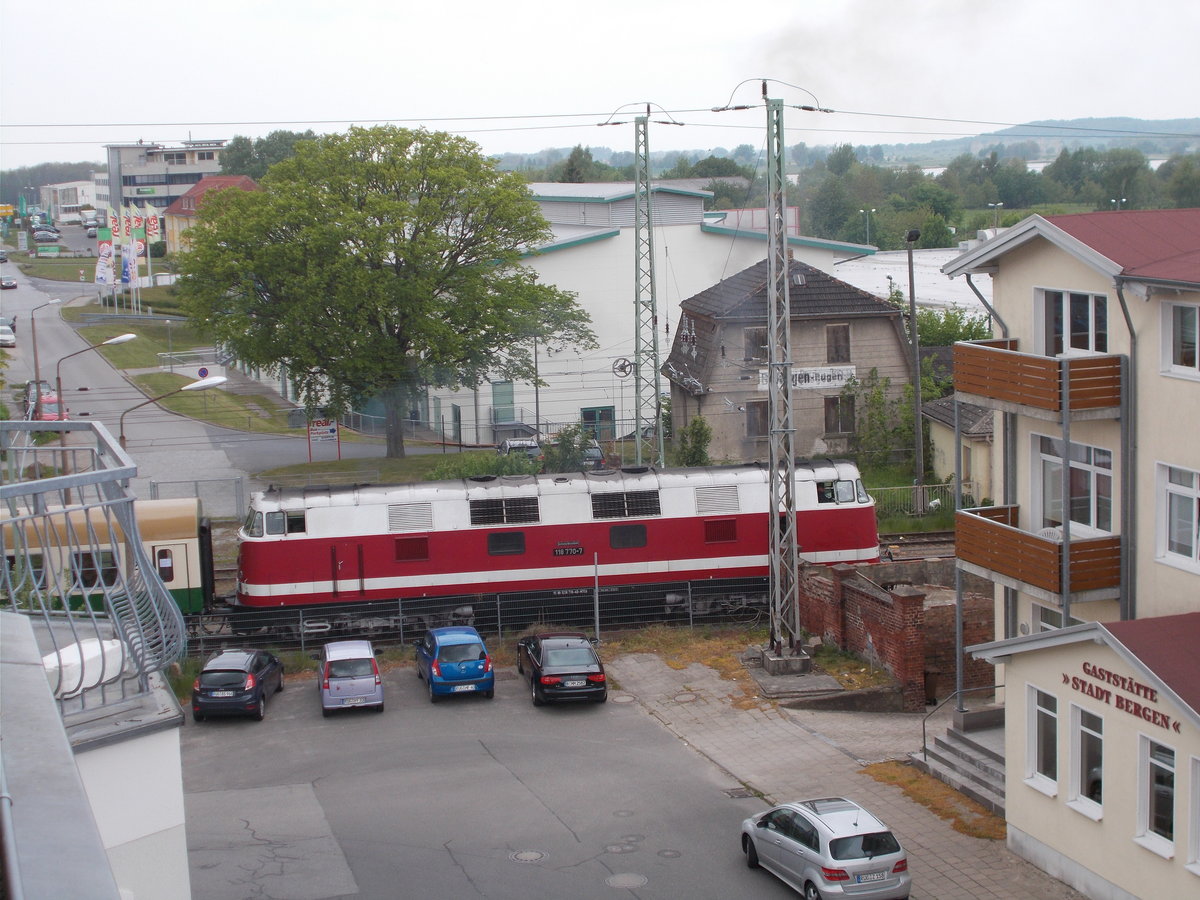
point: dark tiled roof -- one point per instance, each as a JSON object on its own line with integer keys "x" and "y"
{"x": 1157, "y": 244}
{"x": 744, "y": 296}
{"x": 975, "y": 421}
{"x": 1166, "y": 645}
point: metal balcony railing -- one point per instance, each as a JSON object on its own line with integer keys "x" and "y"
{"x": 76, "y": 565}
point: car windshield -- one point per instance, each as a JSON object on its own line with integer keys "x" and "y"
{"x": 456, "y": 653}
{"x": 222, "y": 679}
{"x": 864, "y": 846}
{"x": 350, "y": 668}
{"x": 570, "y": 656}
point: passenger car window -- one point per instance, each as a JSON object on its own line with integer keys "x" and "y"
{"x": 864, "y": 846}
{"x": 806, "y": 833}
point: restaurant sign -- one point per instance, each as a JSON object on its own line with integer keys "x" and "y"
{"x": 1121, "y": 692}
{"x": 828, "y": 378}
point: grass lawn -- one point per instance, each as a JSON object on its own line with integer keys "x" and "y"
{"x": 219, "y": 407}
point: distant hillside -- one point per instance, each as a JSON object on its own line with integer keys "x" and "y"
{"x": 1045, "y": 139}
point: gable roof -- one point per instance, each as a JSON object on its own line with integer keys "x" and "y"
{"x": 973, "y": 421}
{"x": 812, "y": 294}
{"x": 190, "y": 200}
{"x": 1162, "y": 648}
{"x": 1160, "y": 246}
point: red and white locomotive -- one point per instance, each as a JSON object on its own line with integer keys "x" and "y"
{"x": 547, "y": 535}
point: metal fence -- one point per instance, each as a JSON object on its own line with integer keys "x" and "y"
{"x": 599, "y": 610}
{"x": 919, "y": 500}
{"x": 74, "y": 562}
{"x": 220, "y": 498}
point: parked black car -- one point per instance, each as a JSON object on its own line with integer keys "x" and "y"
{"x": 236, "y": 682}
{"x": 561, "y": 666}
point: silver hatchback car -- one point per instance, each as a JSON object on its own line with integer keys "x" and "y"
{"x": 825, "y": 848}
{"x": 349, "y": 677}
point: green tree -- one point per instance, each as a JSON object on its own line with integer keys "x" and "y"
{"x": 565, "y": 452}
{"x": 374, "y": 262}
{"x": 242, "y": 156}
{"x": 840, "y": 159}
{"x": 579, "y": 166}
{"x": 945, "y": 327}
{"x": 693, "y": 441}
{"x": 715, "y": 166}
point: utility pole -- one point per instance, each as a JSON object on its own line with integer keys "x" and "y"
{"x": 646, "y": 378}
{"x": 910, "y": 238}
{"x": 785, "y": 625}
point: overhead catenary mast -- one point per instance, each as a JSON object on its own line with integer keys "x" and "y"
{"x": 648, "y": 441}
{"x": 785, "y": 626}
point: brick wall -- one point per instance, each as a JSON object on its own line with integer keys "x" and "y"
{"x": 895, "y": 628}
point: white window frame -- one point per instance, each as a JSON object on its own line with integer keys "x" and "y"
{"x": 1167, "y": 490}
{"x": 1088, "y": 466}
{"x": 1042, "y": 625}
{"x": 1193, "y": 856}
{"x": 1143, "y": 835}
{"x": 1044, "y": 301}
{"x": 1077, "y": 798}
{"x": 1033, "y": 712}
{"x": 1169, "y": 366}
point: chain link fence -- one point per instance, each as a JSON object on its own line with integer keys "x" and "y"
{"x": 686, "y": 604}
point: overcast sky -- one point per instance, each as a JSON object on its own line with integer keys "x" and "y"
{"x": 522, "y": 77}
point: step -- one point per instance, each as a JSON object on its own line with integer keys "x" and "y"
{"x": 967, "y": 755}
{"x": 967, "y": 769}
{"x": 988, "y": 797}
{"x": 988, "y": 743}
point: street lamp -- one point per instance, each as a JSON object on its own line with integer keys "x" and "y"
{"x": 912, "y": 237}
{"x": 37, "y": 372}
{"x": 62, "y": 403}
{"x": 1117, "y": 203}
{"x": 997, "y": 207}
{"x": 867, "y": 213}
{"x": 202, "y": 385}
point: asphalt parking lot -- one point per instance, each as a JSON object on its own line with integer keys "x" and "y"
{"x": 465, "y": 798}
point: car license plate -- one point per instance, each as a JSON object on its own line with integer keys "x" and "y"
{"x": 353, "y": 701}
{"x": 463, "y": 687}
{"x": 577, "y": 682}
{"x": 871, "y": 876}
{"x": 222, "y": 693}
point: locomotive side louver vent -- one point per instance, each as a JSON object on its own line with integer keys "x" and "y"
{"x": 717, "y": 499}
{"x": 626, "y": 505}
{"x": 505, "y": 511}
{"x": 410, "y": 517}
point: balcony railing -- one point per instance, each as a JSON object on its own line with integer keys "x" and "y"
{"x": 988, "y": 537}
{"x": 996, "y": 370}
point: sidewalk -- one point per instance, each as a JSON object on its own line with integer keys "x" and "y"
{"x": 792, "y": 754}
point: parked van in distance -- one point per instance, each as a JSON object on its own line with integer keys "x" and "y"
{"x": 348, "y": 677}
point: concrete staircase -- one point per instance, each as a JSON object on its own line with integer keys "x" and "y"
{"x": 969, "y": 757}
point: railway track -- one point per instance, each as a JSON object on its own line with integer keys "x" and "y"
{"x": 919, "y": 545}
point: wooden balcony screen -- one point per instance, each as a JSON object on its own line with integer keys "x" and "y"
{"x": 988, "y": 538}
{"x": 995, "y": 369}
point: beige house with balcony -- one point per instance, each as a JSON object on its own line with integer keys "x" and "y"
{"x": 1093, "y": 380}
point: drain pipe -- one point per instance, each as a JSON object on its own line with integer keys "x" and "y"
{"x": 1129, "y": 487}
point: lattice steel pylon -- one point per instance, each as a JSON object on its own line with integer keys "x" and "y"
{"x": 648, "y": 442}
{"x": 785, "y": 627}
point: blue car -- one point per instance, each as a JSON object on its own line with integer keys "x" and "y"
{"x": 454, "y": 660}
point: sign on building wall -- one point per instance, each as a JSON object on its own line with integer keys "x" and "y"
{"x": 825, "y": 378}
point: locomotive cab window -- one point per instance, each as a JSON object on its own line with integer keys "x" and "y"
{"x": 837, "y": 492}
{"x": 295, "y": 521}
{"x": 719, "y": 531}
{"x": 254, "y": 524}
{"x": 164, "y": 559}
{"x": 275, "y": 523}
{"x": 625, "y": 536}
{"x": 506, "y": 543}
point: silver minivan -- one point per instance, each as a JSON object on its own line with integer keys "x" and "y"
{"x": 349, "y": 677}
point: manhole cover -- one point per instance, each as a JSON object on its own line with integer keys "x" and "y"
{"x": 739, "y": 793}
{"x": 670, "y": 854}
{"x": 685, "y": 698}
{"x": 621, "y": 698}
{"x": 527, "y": 856}
{"x": 625, "y": 880}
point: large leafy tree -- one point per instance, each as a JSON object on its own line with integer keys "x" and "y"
{"x": 243, "y": 156}
{"x": 374, "y": 263}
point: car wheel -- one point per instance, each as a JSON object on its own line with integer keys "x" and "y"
{"x": 751, "y": 853}
{"x": 279, "y": 687}
{"x": 379, "y": 708}
{"x": 520, "y": 665}
{"x": 490, "y": 694}
{"x": 261, "y": 712}
{"x": 433, "y": 698}
{"x": 811, "y": 892}
{"x": 539, "y": 699}
{"x": 326, "y": 712}
{"x": 603, "y": 698}
{"x": 197, "y": 717}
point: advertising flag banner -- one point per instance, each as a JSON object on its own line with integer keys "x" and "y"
{"x": 152, "y": 224}
{"x": 139, "y": 242}
{"x": 114, "y": 222}
{"x": 104, "y": 257}
{"x": 128, "y": 264}
{"x": 127, "y": 231}
{"x": 139, "y": 219}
